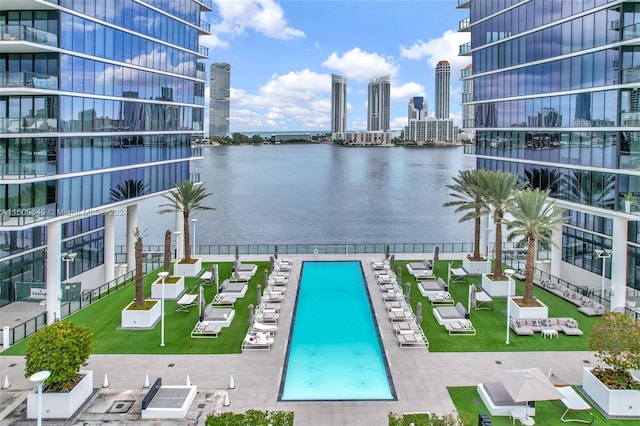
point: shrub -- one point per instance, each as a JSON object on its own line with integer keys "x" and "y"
{"x": 253, "y": 418}
{"x": 427, "y": 419}
{"x": 615, "y": 339}
{"x": 60, "y": 348}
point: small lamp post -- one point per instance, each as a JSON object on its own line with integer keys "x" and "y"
{"x": 39, "y": 378}
{"x": 604, "y": 255}
{"x": 194, "y": 235}
{"x": 68, "y": 257}
{"x": 508, "y": 273}
{"x": 488, "y": 252}
{"x": 163, "y": 276}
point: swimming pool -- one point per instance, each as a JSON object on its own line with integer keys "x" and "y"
{"x": 335, "y": 352}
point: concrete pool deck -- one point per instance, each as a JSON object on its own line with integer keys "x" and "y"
{"x": 420, "y": 377}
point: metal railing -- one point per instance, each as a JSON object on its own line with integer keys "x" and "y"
{"x": 464, "y": 48}
{"x": 28, "y": 79}
{"x": 203, "y": 51}
{"x": 27, "y": 170}
{"x": 32, "y": 325}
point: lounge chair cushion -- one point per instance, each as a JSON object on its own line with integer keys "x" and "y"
{"x": 498, "y": 393}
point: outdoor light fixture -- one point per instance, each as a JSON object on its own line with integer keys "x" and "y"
{"x": 163, "y": 276}
{"x": 604, "y": 255}
{"x": 39, "y": 378}
{"x": 508, "y": 273}
{"x": 68, "y": 257}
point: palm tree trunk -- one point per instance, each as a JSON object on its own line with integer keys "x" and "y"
{"x": 497, "y": 269}
{"x": 476, "y": 239}
{"x": 187, "y": 239}
{"x": 527, "y": 299}
{"x": 139, "y": 274}
{"x": 167, "y": 251}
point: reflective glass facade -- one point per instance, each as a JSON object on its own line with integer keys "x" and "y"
{"x": 555, "y": 94}
{"x": 92, "y": 93}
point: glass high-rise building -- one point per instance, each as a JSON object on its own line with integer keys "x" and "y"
{"x": 442, "y": 85}
{"x": 555, "y": 92}
{"x": 379, "y": 104}
{"x": 338, "y": 104}
{"x": 99, "y": 100}
{"x": 219, "y": 93}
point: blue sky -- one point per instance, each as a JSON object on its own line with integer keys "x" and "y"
{"x": 282, "y": 54}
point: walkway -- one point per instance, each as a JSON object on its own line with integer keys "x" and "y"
{"x": 420, "y": 377}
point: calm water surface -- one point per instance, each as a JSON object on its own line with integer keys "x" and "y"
{"x": 315, "y": 194}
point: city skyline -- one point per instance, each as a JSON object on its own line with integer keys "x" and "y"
{"x": 283, "y": 61}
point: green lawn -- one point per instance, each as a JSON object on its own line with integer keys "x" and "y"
{"x": 103, "y": 319}
{"x": 491, "y": 324}
{"x": 469, "y": 405}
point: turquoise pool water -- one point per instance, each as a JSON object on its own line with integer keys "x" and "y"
{"x": 335, "y": 351}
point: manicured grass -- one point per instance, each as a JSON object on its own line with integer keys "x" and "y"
{"x": 469, "y": 405}
{"x": 103, "y": 319}
{"x": 491, "y": 324}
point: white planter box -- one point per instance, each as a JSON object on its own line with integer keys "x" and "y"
{"x": 188, "y": 269}
{"x": 61, "y": 405}
{"x": 521, "y": 312}
{"x": 498, "y": 288}
{"x": 475, "y": 267}
{"x": 134, "y": 318}
{"x": 614, "y": 402}
{"x": 172, "y": 291}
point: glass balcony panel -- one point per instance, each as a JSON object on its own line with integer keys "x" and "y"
{"x": 28, "y": 79}
{"x": 12, "y": 32}
{"x": 28, "y": 125}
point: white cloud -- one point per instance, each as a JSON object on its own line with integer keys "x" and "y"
{"x": 299, "y": 97}
{"x": 263, "y": 16}
{"x": 398, "y": 123}
{"x": 406, "y": 91}
{"x": 360, "y": 65}
{"x": 213, "y": 41}
{"x": 435, "y": 50}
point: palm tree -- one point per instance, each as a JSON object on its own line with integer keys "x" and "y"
{"x": 467, "y": 199}
{"x": 130, "y": 188}
{"x": 186, "y": 196}
{"x": 496, "y": 189}
{"x": 534, "y": 220}
{"x": 139, "y": 272}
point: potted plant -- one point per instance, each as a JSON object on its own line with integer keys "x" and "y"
{"x": 533, "y": 218}
{"x": 174, "y": 285}
{"x": 629, "y": 199}
{"x": 615, "y": 339}
{"x": 60, "y": 348}
{"x": 496, "y": 189}
{"x": 186, "y": 196}
{"x": 468, "y": 200}
{"x": 140, "y": 313}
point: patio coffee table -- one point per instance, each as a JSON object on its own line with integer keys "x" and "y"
{"x": 550, "y": 333}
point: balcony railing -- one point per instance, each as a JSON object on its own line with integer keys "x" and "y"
{"x": 19, "y": 216}
{"x": 464, "y": 49}
{"x": 463, "y": 4}
{"x": 195, "y": 177}
{"x": 199, "y": 100}
{"x": 467, "y": 97}
{"x": 208, "y": 4}
{"x": 27, "y": 170}
{"x": 205, "y": 26}
{"x": 203, "y": 51}
{"x": 631, "y": 75}
{"x": 28, "y": 125}
{"x": 464, "y": 24}
{"x": 469, "y": 149}
{"x": 14, "y": 32}
{"x": 631, "y": 31}
{"x": 196, "y": 152}
{"x": 467, "y": 72}
{"x": 631, "y": 119}
{"x": 201, "y": 75}
{"x": 28, "y": 79}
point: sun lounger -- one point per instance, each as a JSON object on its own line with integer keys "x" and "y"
{"x": 460, "y": 328}
{"x": 206, "y": 278}
{"x": 483, "y": 301}
{"x": 573, "y": 402}
{"x": 186, "y": 301}
{"x": 419, "y": 266}
{"x": 205, "y": 329}
{"x": 458, "y": 275}
{"x": 267, "y": 328}
{"x": 400, "y": 314}
{"x": 448, "y": 314}
{"x": 411, "y": 339}
{"x": 237, "y": 289}
{"x": 267, "y": 316}
{"x": 404, "y": 326}
{"x": 424, "y": 275}
{"x": 258, "y": 340}
{"x": 427, "y": 288}
{"x": 223, "y": 299}
{"x": 246, "y": 268}
{"x": 390, "y": 295}
{"x": 217, "y": 315}
{"x": 443, "y": 298}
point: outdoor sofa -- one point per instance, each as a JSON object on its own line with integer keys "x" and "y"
{"x": 530, "y": 326}
{"x": 428, "y": 288}
{"x": 585, "y": 305}
{"x": 448, "y": 314}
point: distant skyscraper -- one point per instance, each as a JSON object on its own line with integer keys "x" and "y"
{"x": 418, "y": 109}
{"x": 443, "y": 77}
{"x": 338, "y": 104}
{"x": 219, "y": 89}
{"x": 379, "y": 104}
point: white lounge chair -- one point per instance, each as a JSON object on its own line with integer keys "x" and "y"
{"x": 258, "y": 340}
{"x": 186, "y": 301}
{"x": 411, "y": 339}
{"x": 205, "y": 329}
